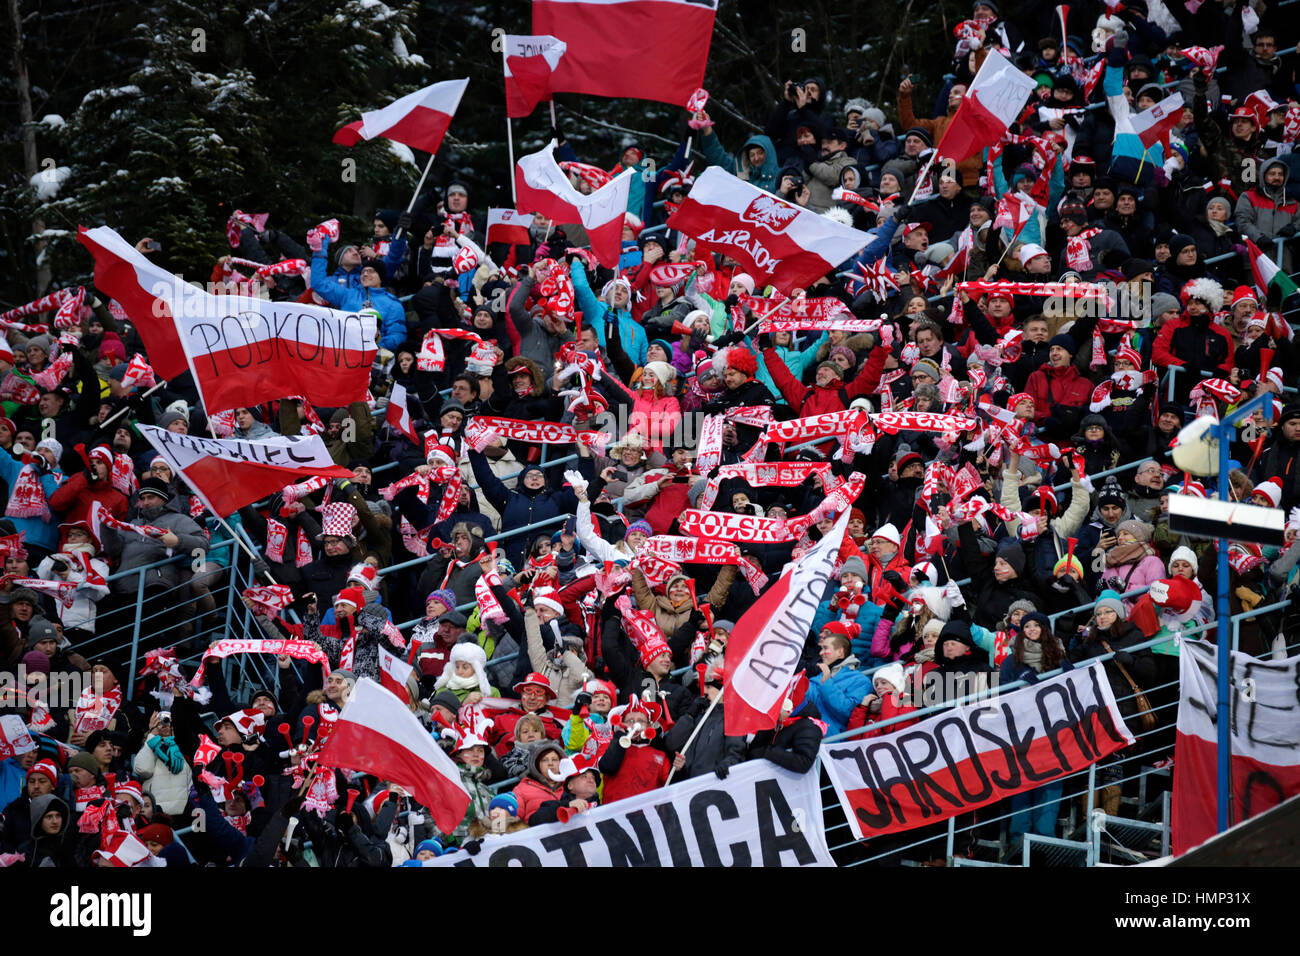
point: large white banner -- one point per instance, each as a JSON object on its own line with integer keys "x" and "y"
{"x": 760, "y": 815}
{"x": 976, "y": 754}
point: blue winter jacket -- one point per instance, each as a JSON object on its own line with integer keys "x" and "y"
{"x": 40, "y": 532}
{"x": 595, "y": 315}
{"x": 392, "y": 331}
{"x": 836, "y": 697}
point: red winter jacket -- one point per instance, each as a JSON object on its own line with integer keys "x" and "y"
{"x": 810, "y": 400}
{"x": 1057, "y": 386}
{"x": 531, "y": 794}
{"x": 75, "y": 497}
{"x": 1206, "y": 349}
{"x": 644, "y": 768}
{"x": 889, "y": 708}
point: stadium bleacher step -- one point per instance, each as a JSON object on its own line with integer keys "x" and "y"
{"x": 1054, "y": 851}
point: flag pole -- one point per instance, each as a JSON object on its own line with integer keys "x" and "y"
{"x": 126, "y": 408}
{"x": 510, "y": 136}
{"x": 694, "y": 733}
{"x": 418, "y": 186}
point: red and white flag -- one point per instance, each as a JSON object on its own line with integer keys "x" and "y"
{"x": 1014, "y": 210}
{"x": 1265, "y": 741}
{"x": 530, "y": 62}
{"x": 640, "y": 49}
{"x": 542, "y": 186}
{"x": 399, "y": 415}
{"x": 1153, "y": 125}
{"x": 393, "y": 672}
{"x": 228, "y": 473}
{"x": 377, "y": 733}
{"x": 242, "y": 351}
{"x": 508, "y": 226}
{"x": 419, "y": 119}
{"x": 776, "y": 242}
{"x": 992, "y": 104}
{"x": 755, "y": 684}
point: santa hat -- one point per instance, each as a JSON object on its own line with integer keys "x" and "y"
{"x": 535, "y": 679}
{"x": 1272, "y": 490}
{"x": 365, "y": 575}
{"x": 889, "y": 533}
{"x": 742, "y": 360}
{"x": 472, "y": 654}
{"x": 354, "y": 596}
{"x": 546, "y": 597}
{"x": 337, "y": 518}
{"x": 633, "y": 222}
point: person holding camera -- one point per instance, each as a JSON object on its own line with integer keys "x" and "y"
{"x": 161, "y": 766}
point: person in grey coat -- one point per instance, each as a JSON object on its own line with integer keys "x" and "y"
{"x": 540, "y": 335}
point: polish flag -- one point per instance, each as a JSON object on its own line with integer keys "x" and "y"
{"x": 776, "y": 242}
{"x": 530, "y": 62}
{"x": 419, "y": 119}
{"x": 992, "y": 104}
{"x": 958, "y": 264}
{"x": 640, "y": 49}
{"x": 393, "y": 672}
{"x": 1014, "y": 210}
{"x": 399, "y": 415}
{"x": 509, "y": 226}
{"x": 228, "y": 473}
{"x": 542, "y": 186}
{"x": 755, "y": 685}
{"x": 378, "y": 734}
{"x": 1264, "y": 744}
{"x": 241, "y": 350}
{"x": 1154, "y": 125}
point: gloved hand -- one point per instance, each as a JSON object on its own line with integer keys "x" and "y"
{"x": 722, "y": 770}
{"x": 404, "y": 221}
{"x": 731, "y": 301}
{"x": 697, "y": 707}
{"x": 730, "y": 338}
{"x": 903, "y": 213}
{"x": 580, "y": 701}
{"x": 472, "y": 847}
{"x": 895, "y": 581}
{"x": 765, "y": 341}
{"x": 953, "y": 593}
{"x": 1287, "y": 231}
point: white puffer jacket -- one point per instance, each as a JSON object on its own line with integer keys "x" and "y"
{"x": 171, "y": 791}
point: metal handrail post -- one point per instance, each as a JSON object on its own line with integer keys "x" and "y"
{"x": 135, "y": 628}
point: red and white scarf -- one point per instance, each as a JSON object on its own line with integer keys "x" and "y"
{"x": 50, "y": 376}
{"x": 44, "y": 304}
{"x": 483, "y": 430}
{"x": 446, "y": 475}
{"x": 277, "y": 537}
{"x": 96, "y": 711}
{"x": 302, "y": 554}
{"x": 138, "y": 372}
{"x": 1078, "y": 254}
{"x": 27, "y": 497}
{"x": 296, "y": 648}
{"x": 271, "y": 598}
{"x": 239, "y": 219}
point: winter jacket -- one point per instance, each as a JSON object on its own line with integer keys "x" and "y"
{"x": 1195, "y": 344}
{"x": 369, "y": 636}
{"x": 992, "y": 598}
{"x": 39, "y": 531}
{"x": 1060, "y": 394}
{"x": 536, "y": 342}
{"x": 81, "y": 613}
{"x": 811, "y": 400}
{"x": 77, "y": 496}
{"x": 823, "y": 177}
{"x": 764, "y": 177}
{"x": 794, "y": 746}
{"x": 711, "y": 750}
{"x": 392, "y": 331}
{"x": 672, "y": 619}
{"x": 522, "y": 507}
{"x": 566, "y": 678}
{"x": 595, "y": 315}
{"x": 628, "y": 771}
{"x": 162, "y": 769}
{"x": 131, "y": 551}
{"x": 836, "y": 696}
{"x": 1263, "y": 211}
